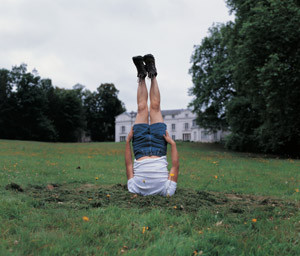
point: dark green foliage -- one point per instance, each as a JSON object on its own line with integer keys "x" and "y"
{"x": 101, "y": 108}
{"x": 7, "y": 104}
{"x": 246, "y": 77}
{"x": 31, "y": 102}
{"x": 67, "y": 114}
{"x": 23, "y": 106}
{"x": 32, "y": 109}
{"x": 212, "y": 78}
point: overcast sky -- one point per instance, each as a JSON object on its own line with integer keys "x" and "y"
{"x": 92, "y": 42}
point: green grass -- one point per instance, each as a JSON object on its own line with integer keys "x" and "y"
{"x": 219, "y": 194}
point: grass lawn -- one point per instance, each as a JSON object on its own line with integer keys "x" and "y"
{"x": 71, "y": 199}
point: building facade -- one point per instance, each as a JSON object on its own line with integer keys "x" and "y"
{"x": 181, "y": 125}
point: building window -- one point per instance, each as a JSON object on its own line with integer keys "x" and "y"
{"x": 123, "y": 129}
{"x": 173, "y": 116}
{"x": 173, "y": 127}
{"x": 186, "y": 137}
{"x": 194, "y": 122}
{"x": 215, "y": 136}
{"x": 195, "y": 136}
{"x": 186, "y": 115}
{"x": 186, "y": 126}
{"x": 204, "y": 135}
{"x": 122, "y": 138}
{"x": 173, "y": 137}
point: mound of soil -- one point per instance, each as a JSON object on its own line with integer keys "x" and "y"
{"x": 84, "y": 196}
{"x": 14, "y": 186}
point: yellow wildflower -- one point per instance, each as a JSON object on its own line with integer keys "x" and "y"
{"x": 175, "y": 207}
{"x": 172, "y": 174}
{"x": 297, "y": 189}
{"x": 85, "y": 218}
{"x": 216, "y": 176}
{"x": 254, "y": 220}
{"x": 96, "y": 178}
{"x": 108, "y": 195}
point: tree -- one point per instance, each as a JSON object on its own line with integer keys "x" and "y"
{"x": 101, "y": 108}
{"x": 30, "y": 119}
{"x": 212, "y": 78}
{"x": 32, "y": 109}
{"x": 7, "y": 105}
{"x": 67, "y": 113}
{"x": 258, "y": 55}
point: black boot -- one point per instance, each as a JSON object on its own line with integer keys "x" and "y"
{"x": 150, "y": 65}
{"x": 140, "y": 66}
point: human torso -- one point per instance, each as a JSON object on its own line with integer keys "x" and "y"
{"x": 151, "y": 174}
{"x": 146, "y": 157}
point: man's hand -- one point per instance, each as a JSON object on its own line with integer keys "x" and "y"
{"x": 130, "y": 135}
{"x": 168, "y": 138}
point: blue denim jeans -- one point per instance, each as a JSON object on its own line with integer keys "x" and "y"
{"x": 148, "y": 140}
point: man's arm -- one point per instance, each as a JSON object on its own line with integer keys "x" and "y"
{"x": 173, "y": 176}
{"x": 128, "y": 156}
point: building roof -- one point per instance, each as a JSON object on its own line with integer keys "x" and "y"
{"x": 171, "y": 112}
{"x": 127, "y": 114}
{"x": 163, "y": 112}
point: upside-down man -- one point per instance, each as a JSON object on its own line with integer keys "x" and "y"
{"x": 148, "y": 175}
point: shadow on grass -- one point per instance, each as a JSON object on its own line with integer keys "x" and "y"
{"x": 85, "y": 196}
{"x": 220, "y": 148}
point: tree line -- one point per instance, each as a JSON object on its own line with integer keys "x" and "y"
{"x": 246, "y": 77}
{"x": 31, "y": 108}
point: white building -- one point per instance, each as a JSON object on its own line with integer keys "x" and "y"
{"x": 181, "y": 125}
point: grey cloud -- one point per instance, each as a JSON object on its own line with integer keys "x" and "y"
{"x": 92, "y": 42}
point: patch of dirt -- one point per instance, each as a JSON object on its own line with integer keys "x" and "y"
{"x": 15, "y": 187}
{"x": 84, "y": 196}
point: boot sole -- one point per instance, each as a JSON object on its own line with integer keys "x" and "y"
{"x": 136, "y": 60}
{"x": 151, "y": 73}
